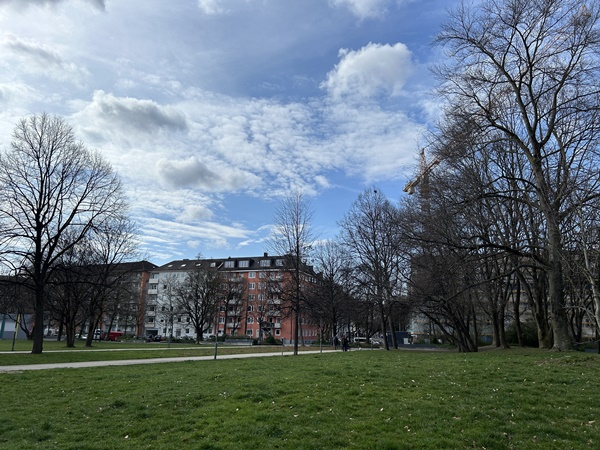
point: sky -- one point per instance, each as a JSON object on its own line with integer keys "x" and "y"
{"x": 213, "y": 111}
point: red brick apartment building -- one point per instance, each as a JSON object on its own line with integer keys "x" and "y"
{"x": 253, "y": 299}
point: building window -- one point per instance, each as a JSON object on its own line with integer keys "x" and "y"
{"x": 229, "y": 264}
{"x": 187, "y": 331}
{"x": 221, "y": 319}
{"x": 265, "y": 263}
{"x": 250, "y": 308}
{"x": 249, "y": 332}
{"x": 150, "y": 319}
{"x": 153, "y": 286}
{"x": 279, "y": 262}
{"x": 244, "y": 263}
{"x": 251, "y": 285}
{"x": 151, "y": 308}
{"x": 179, "y": 319}
{"x": 164, "y": 331}
{"x": 250, "y": 320}
{"x": 277, "y": 332}
{"x": 251, "y": 297}
{"x": 251, "y": 274}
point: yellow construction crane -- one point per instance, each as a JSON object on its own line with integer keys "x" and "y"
{"x": 424, "y": 169}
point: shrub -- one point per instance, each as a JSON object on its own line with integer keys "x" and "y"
{"x": 529, "y": 329}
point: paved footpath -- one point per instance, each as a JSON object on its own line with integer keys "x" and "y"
{"x": 129, "y": 362}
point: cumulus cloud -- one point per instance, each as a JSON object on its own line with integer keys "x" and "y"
{"x": 192, "y": 172}
{"x": 194, "y": 213}
{"x": 110, "y": 114}
{"x": 374, "y": 69}
{"x": 185, "y": 173}
{"x": 363, "y": 9}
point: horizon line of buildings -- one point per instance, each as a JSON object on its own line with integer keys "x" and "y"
{"x": 257, "y": 310}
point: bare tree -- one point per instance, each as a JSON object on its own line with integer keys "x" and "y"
{"x": 233, "y": 293}
{"x": 369, "y": 232}
{"x": 169, "y": 301}
{"x": 265, "y": 307}
{"x": 331, "y": 300}
{"x": 530, "y": 71}
{"x": 50, "y": 184}
{"x": 293, "y": 237}
{"x": 197, "y": 296}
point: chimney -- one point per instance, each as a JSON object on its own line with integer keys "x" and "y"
{"x": 266, "y": 254}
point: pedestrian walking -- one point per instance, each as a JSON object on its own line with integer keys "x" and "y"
{"x": 345, "y": 344}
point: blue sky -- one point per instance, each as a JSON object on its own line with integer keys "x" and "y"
{"x": 212, "y": 110}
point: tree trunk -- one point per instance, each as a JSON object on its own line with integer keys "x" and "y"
{"x": 383, "y": 325}
{"x": 558, "y": 318}
{"x": 38, "y": 320}
{"x": 517, "y": 312}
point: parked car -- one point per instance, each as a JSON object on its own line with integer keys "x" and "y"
{"x": 113, "y": 336}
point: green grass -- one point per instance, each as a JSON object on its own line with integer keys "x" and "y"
{"x": 358, "y": 400}
{"x": 57, "y": 352}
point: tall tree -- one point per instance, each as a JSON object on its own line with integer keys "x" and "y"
{"x": 233, "y": 294}
{"x": 197, "y": 296}
{"x": 50, "y": 184}
{"x": 293, "y": 237}
{"x": 331, "y": 300}
{"x": 530, "y": 71}
{"x": 369, "y": 232}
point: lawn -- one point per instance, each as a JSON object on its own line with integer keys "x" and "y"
{"x": 359, "y": 400}
{"x": 57, "y": 352}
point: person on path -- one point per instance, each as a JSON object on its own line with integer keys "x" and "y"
{"x": 345, "y": 344}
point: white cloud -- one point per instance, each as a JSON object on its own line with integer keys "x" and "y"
{"x": 375, "y": 144}
{"x": 192, "y": 172}
{"x": 211, "y": 7}
{"x": 108, "y": 115}
{"x": 363, "y": 9}
{"x": 99, "y": 4}
{"x": 33, "y": 57}
{"x": 373, "y": 70}
{"x": 194, "y": 213}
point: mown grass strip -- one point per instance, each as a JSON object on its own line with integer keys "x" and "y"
{"x": 377, "y": 400}
{"x": 105, "y": 351}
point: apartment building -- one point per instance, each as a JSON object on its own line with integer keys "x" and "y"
{"x": 250, "y": 296}
{"x": 127, "y": 313}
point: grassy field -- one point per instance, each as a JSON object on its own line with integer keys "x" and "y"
{"x": 57, "y": 352}
{"x": 359, "y": 400}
